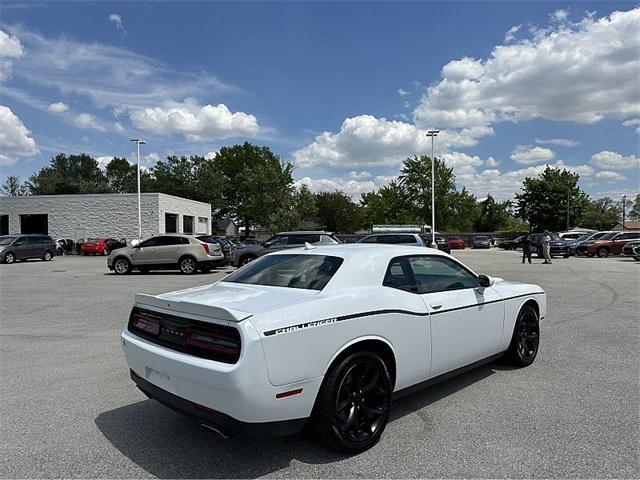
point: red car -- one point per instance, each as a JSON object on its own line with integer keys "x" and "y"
{"x": 97, "y": 246}
{"x": 456, "y": 243}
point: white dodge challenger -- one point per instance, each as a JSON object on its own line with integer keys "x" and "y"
{"x": 327, "y": 335}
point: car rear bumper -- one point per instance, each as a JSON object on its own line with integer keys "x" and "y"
{"x": 240, "y": 391}
{"x": 217, "y": 421}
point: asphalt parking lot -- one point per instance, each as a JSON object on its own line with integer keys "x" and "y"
{"x": 69, "y": 409}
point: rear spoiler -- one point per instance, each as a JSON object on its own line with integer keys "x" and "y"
{"x": 210, "y": 311}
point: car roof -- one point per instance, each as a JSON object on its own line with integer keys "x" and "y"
{"x": 366, "y": 261}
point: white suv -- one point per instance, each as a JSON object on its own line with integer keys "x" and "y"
{"x": 166, "y": 252}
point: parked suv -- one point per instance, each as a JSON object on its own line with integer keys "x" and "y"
{"x": 611, "y": 244}
{"x": 165, "y": 252}
{"x": 24, "y": 247}
{"x": 395, "y": 238}
{"x": 281, "y": 241}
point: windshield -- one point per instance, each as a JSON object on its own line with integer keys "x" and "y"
{"x": 482, "y": 238}
{"x": 95, "y": 240}
{"x": 311, "y": 272}
{"x": 608, "y": 236}
{"x": 7, "y": 240}
{"x": 584, "y": 237}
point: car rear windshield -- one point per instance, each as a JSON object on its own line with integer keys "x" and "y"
{"x": 6, "y": 240}
{"x": 482, "y": 238}
{"x": 310, "y": 272}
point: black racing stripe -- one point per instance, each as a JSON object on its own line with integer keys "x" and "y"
{"x": 301, "y": 326}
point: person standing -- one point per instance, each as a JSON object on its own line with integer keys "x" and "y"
{"x": 546, "y": 247}
{"x": 526, "y": 248}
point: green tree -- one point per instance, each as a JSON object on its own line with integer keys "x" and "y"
{"x": 121, "y": 177}
{"x": 337, "y": 212}
{"x": 492, "y": 216}
{"x": 543, "y": 201}
{"x": 601, "y": 214}
{"x": 69, "y": 174}
{"x": 13, "y": 187}
{"x": 387, "y": 205}
{"x": 300, "y": 210}
{"x": 256, "y": 186}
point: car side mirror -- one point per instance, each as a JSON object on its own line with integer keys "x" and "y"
{"x": 485, "y": 281}
{"x": 266, "y": 244}
{"x": 135, "y": 243}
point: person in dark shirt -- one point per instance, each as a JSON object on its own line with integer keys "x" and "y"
{"x": 526, "y": 248}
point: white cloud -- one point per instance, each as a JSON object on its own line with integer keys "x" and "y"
{"x": 359, "y": 175}
{"x": 107, "y": 75}
{"x": 579, "y": 72}
{"x": 117, "y": 19}
{"x": 14, "y": 138}
{"x": 492, "y": 162}
{"x": 211, "y": 155}
{"x": 610, "y": 176}
{"x": 403, "y": 93}
{"x": 366, "y": 141}
{"x": 631, "y": 123}
{"x": 152, "y": 158}
{"x": 613, "y": 160}
{"x": 104, "y": 161}
{"x": 511, "y": 33}
{"x": 195, "y": 122}
{"x": 528, "y": 154}
{"x": 462, "y": 163}
{"x": 10, "y": 50}
{"x": 351, "y": 187}
{"x": 58, "y": 107}
{"x": 559, "y": 15}
{"x": 118, "y": 127}
{"x": 561, "y": 142}
{"x": 86, "y": 120}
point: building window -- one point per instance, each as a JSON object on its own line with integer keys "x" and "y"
{"x": 187, "y": 224}
{"x": 171, "y": 223}
{"x": 203, "y": 225}
{"x": 4, "y": 224}
{"x": 37, "y": 223}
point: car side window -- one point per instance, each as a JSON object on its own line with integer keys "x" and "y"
{"x": 151, "y": 242}
{"x": 301, "y": 239}
{"x": 399, "y": 275}
{"x": 168, "y": 241}
{"x": 370, "y": 239}
{"x": 439, "y": 274}
{"x": 279, "y": 240}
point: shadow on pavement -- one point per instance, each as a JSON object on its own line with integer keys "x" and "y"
{"x": 169, "y": 445}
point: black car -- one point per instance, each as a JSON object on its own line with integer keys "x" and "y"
{"x": 24, "y": 247}
{"x": 512, "y": 244}
{"x": 481, "y": 241}
{"x": 558, "y": 247}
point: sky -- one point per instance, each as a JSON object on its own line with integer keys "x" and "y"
{"x": 344, "y": 90}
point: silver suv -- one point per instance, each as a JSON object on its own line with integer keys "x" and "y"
{"x": 165, "y": 252}
{"x": 282, "y": 241}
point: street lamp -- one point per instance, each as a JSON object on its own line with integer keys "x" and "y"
{"x": 139, "y": 142}
{"x": 433, "y": 133}
{"x": 624, "y": 209}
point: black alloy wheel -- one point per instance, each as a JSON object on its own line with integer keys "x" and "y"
{"x": 354, "y": 403}
{"x": 47, "y": 256}
{"x": 247, "y": 259}
{"x": 603, "y": 252}
{"x": 9, "y": 257}
{"x": 526, "y": 338}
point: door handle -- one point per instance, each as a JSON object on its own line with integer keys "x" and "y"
{"x": 436, "y": 305}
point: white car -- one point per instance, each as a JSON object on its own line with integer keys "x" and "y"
{"x": 325, "y": 334}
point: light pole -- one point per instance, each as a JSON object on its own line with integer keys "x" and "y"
{"x": 624, "y": 208}
{"x": 432, "y": 134}
{"x": 139, "y": 142}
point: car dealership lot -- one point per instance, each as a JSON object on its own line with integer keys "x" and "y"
{"x": 69, "y": 408}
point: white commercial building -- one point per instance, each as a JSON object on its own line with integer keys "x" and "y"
{"x": 93, "y": 215}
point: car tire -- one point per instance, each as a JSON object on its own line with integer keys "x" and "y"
{"x": 354, "y": 403}
{"x": 121, "y": 266}
{"x": 9, "y": 257}
{"x": 188, "y": 265}
{"x": 566, "y": 255}
{"x": 246, "y": 259}
{"x": 525, "y": 340}
{"x": 47, "y": 256}
{"x": 603, "y": 252}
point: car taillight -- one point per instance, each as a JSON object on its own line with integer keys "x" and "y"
{"x": 206, "y": 248}
{"x": 209, "y": 340}
{"x": 146, "y": 324}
